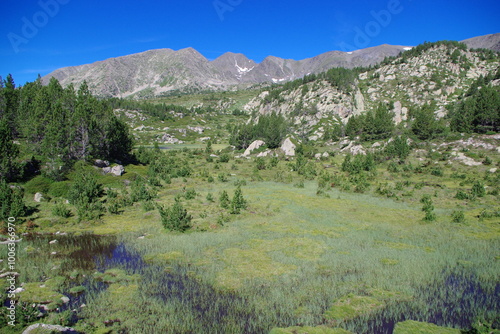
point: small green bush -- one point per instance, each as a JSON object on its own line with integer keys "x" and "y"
{"x": 190, "y": 194}
{"x": 238, "y": 203}
{"x": 224, "y": 158}
{"x": 222, "y": 177}
{"x": 175, "y": 218}
{"x": 478, "y": 190}
{"x": 59, "y": 189}
{"x": 458, "y": 217}
{"x": 428, "y": 208}
{"x": 224, "y": 200}
{"x": 61, "y": 210}
{"x": 39, "y": 184}
{"x": 260, "y": 163}
{"x": 461, "y": 195}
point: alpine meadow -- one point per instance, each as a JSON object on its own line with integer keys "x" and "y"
{"x": 162, "y": 192}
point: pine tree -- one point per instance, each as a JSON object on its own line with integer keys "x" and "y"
{"x": 8, "y": 152}
{"x": 11, "y": 97}
{"x": 175, "y": 218}
{"x": 425, "y": 126}
{"x": 84, "y": 194}
{"x": 11, "y": 201}
{"x": 238, "y": 202}
{"x": 224, "y": 200}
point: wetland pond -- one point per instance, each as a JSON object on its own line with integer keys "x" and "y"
{"x": 98, "y": 262}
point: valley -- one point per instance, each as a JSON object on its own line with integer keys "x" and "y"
{"x": 349, "y": 200}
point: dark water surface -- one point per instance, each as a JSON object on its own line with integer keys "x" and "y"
{"x": 455, "y": 303}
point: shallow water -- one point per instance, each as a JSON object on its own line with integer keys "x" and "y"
{"x": 454, "y": 302}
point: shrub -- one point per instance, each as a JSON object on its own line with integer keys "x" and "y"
{"x": 461, "y": 195}
{"x": 222, "y": 177}
{"x": 114, "y": 207}
{"x": 428, "y": 208}
{"x": 478, "y": 190}
{"x": 224, "y": 158}
{"x": 140, "y": 191}
{"x": 59, "y": 189}
{"x": 61, "y": 210}
{"x": 437, "y": 171}
{"x": 148, "y": 206}
{"x": 85, "y": 193}
{"x": 487, "y": 161}
{"x": 39, "y": 184}
{"x": 190, "y": 194}
{"x": 457, "y": 217}
{"x": 224, "y": 200}
{"x": 175, "y": 218}
{"x": 260, "y": 163}
{"x": 398, "y": 148}
{"x": 238, "y": 203}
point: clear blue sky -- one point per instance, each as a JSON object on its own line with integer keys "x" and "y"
{"x": 41, "y": 36}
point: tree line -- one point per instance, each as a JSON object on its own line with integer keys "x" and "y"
{"x": 53, "y": 127}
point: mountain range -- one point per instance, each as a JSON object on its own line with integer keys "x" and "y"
{"x": 165, "y": 71}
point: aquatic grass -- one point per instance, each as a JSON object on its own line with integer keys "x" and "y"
{"x": 416, "y": 327}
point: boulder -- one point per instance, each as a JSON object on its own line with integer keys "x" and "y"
{"x": 118, "y": 170}
{"x": 38, "y": 197}
{"x": 354, "y": 149}
{"x": 288, "y": 147}
{"x": 169, "y": 139}
{"x": 253, "y": 146}
{"x": 264, "y": 154}
{"x": 101, "y": 163}
{"x": 44, "y": 328}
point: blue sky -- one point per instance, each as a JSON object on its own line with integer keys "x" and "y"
{"x": 41, "y": 36}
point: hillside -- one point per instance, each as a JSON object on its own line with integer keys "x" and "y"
{"x": 434, "y": 73}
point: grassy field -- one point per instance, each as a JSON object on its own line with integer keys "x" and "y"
{"x": 302, "y": 256}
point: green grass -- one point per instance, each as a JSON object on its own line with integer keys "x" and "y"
{"x": 416, "y": 327}
{"x": 337, "y": 259}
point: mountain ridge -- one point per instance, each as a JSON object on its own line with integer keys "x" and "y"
{"x": 166, "y": 71}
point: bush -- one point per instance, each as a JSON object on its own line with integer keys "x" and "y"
{"x": 461, "y": 195}
{"x": 85, "y": 193}
{"x": 175, "y": 218}
{"x": 190, "y": 194}
{"x": 222, "y": 177}
{"x": 428, "y": 208}
{"x": 458, "y": 217}
{"x": 224, "y": 200}
{"x": 59, "y": 189}
{"x": 61, "y": 210}
{"x": 260, "y": 163}
{"x": 238, "y": 203}
{"x": 140, "y": 191}
{"x": 224, "y": 158}
{"x": 437, "y": 171}
{"x": 39, "y": 184}
{"x": 478, "y": 190}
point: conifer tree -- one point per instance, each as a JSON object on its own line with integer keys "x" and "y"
{"x": 8, "y": 152}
